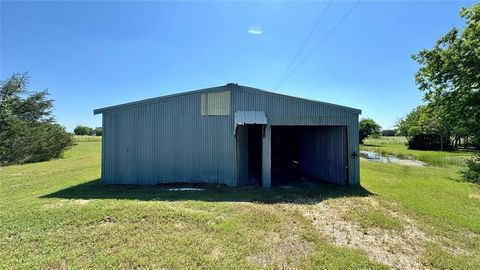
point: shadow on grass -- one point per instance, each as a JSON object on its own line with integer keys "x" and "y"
{"x": 302, "y": 193}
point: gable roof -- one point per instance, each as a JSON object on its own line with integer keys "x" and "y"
{"x": 229, "y": 86}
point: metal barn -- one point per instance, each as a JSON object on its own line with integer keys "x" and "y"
{"x": 233, "y": 135}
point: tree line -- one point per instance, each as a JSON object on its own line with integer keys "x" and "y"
{"x": 84, "y": 130}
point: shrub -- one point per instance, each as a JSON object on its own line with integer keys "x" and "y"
{"x": 472, "y": 174}
{"x": 33, "y": 142}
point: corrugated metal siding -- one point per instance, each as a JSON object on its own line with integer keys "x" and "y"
{"x": 126, "y": 147}
{"x": 322, "y": 153}
{"x": 281, "y": 110}
{"x": 109, "y": 142}
{"x": 353, "y": 145}
{"x": 242, "y": 157}
{"x": 169, "y": 141}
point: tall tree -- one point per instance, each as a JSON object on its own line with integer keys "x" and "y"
{"x": 28, "y": 132}
{"x": 368, "y": 127}
{"x": 449, "y": 74}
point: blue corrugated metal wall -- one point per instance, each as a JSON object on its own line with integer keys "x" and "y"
{"x": 170, "y": 141}
{"x": 322, "y": 153}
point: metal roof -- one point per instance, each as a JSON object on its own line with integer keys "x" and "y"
{"x": 229, "y": 86}
{"x": 250, "y": 117}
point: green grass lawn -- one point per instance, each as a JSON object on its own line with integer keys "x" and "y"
{"x": 58, "y": 215}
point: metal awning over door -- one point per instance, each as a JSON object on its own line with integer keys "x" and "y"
{"x": 249, "y": 117}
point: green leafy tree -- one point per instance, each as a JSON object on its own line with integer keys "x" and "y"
{"x": 98, "y": 131}
{"x": 83, "y": 130}
{"x": 368, "y": 127}
{"x": 28, "y": 132}
{"x": 449, "y": 76}
{"x": 426, "y": 127}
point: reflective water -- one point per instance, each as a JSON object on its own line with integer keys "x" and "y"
{"x": 185, "y": 189}
{"x": 373, "y": 156}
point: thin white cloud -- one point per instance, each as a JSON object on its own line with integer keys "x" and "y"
{"x": 255, "y": 30}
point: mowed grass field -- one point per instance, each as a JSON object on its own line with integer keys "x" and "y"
{"x": 58, "y": 215}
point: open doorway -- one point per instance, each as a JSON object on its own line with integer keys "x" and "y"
{"x": 249, "y": 154}
{"x": 285, "y": 142}
{"x": 308, "y": 154}
{"x": 255, "y": 154}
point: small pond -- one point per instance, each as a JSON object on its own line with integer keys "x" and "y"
{"x": 373, "y": 156}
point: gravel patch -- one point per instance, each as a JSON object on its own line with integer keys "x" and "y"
{"x": 398, "y": 250}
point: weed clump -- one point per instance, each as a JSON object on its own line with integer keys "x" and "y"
{"x": 472, "y": 173}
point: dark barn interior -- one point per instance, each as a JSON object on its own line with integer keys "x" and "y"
{"x": 285, "y": 154}
{"x": 255, "y": 154}
{"x": 308, "y": 153}
{"x": 298, "y": 154}
{"x": 249, "y": 156}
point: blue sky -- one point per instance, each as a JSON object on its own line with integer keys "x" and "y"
{"x": 95, "y": 54}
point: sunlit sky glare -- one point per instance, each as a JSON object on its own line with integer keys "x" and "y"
{"x": 95, "y": 54}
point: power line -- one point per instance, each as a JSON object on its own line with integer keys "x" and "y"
{"x": 300, "y": 50}
{"x": 319, "y": 43}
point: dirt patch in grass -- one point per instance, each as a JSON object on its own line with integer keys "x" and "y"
{"x": 475, "y": 196}
{"x": 79, "y": 201}
{"x": 108, "y": 220}
{"x": 387, "y": 236}
{"x": 58, "y": 266}
{"x": 65, "y": 202}
{"x": 399, "y": 247}
{"x": 19, "y": 174}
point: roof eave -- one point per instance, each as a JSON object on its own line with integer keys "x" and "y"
{"x": 341, "y": 107}
{"x": 155, "y": 99}
{"x": 218, "y": 88}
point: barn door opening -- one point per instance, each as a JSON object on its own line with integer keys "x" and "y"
{"x": 309, "y": 154}
{"x": 285, "y": 154}
{"x": 255, "y": 154}
{"x": 249, "y": 154}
